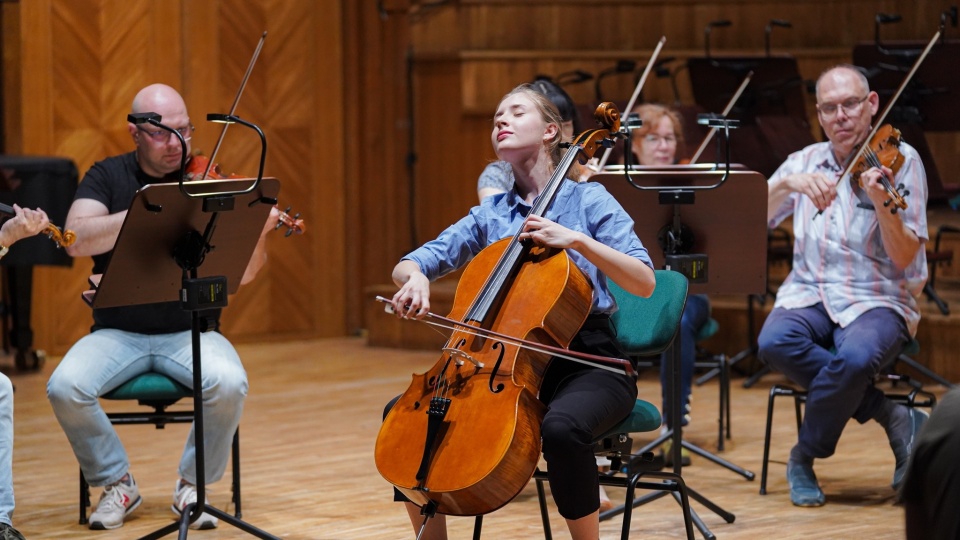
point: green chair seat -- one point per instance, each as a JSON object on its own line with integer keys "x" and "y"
{"x": 644, "y": 417}
{"x": 646, "y": 326}
{"x": 149, "y": 387}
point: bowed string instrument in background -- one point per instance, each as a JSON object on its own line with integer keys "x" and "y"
{"x": 203, "y": 168}
{"x": 882, "y": 146}
{"x": 61, "y": 238}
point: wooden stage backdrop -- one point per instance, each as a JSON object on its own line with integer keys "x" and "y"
{"x": 378, "y": 121}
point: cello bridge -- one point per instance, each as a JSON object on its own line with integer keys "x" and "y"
{"x": 459, "y": 356}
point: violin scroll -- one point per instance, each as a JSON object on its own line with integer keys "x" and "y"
{"x": 62, "y": 239}
{"x": 293, "y": 224}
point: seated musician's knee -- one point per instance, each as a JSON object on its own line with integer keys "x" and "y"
{"x": 561, "y": 437}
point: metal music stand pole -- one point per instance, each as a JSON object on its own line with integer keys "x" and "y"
{"x": 731, "y": 270}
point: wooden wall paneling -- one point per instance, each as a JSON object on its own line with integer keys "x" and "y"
{"x": 10, "y": 64}
{"x": 381, "y": 161}
{"x": 51, "y": 301}
{"x": 83, "y": 64}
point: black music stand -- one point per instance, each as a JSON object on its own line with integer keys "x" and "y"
{"x": 771, "y": 110}
{"x": 165, "y": 253}
{"x": 729, "y": 224}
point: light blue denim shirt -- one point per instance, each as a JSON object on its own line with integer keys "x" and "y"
{"x": 584, "y": 207}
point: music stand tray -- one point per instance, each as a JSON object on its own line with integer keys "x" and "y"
{"x": 143, "y": 270}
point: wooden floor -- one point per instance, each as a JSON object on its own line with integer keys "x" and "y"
{"x": 308, "y": 434}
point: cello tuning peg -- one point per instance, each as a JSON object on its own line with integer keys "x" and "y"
{"x": 297, "y": 216}
{"x": 288, "y": 233}
{"x": 287, "y": 211}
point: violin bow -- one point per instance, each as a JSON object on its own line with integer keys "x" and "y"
{"x": 236, "y": 101}
{"x": 886, "y": 110}
{"x": 623, "y": 367}
{"x": 878, "y": 123}
{"x": 726, "y": 111}
{"x": 636, "y": 94}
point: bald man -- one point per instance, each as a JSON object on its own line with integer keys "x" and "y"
{"x": 126, "y": 341}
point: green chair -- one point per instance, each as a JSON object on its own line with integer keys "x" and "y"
{"x": 645, "y": 326}
{"x": 157, "y": 392}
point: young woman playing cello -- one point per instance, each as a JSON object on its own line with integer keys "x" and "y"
{"x": 598, "y": 236}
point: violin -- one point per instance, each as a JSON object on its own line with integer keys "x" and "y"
{"x": 883, "y": 150}
{"x": 464, "y": 438}
{"x": 199, "y": 167}
{"x": 60, "y": 238}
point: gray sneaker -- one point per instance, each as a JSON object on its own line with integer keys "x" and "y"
{"x": 116, "y": 503}
{"x": 185, "y": 494}
{"x": 7, "y": 532}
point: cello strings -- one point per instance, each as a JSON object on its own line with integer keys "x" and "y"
{"x": 513, "y": 341}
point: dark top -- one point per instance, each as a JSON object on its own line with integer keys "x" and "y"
{"x": 114, "y": 182}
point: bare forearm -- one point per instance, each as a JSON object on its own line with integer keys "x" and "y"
{"x": 95, "y": 234}
{"x": 630, "y": 273}
{"x": 900, "y": 243}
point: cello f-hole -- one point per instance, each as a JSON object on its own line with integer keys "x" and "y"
{"x": 496, "y": 368}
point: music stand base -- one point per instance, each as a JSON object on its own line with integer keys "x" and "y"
{"x": 183, "y": 525}
{"x": 668, "y": 435}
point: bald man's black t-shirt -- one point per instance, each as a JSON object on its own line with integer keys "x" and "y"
{"x": 114, "y": 182}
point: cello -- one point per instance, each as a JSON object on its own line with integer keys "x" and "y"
{"x": 464, "y": 438}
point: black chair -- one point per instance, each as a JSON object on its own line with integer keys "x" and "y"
{"x": 157, "y": 392}
{"x": 915, "y": 397}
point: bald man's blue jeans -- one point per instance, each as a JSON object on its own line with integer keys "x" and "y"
{"x": 835, "y": 365}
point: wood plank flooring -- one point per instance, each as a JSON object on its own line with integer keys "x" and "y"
{"x": 307, "y": 439}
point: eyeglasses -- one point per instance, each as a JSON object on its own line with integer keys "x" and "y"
{"x": 162, "y": 135}
{"x": 656, "y": 140}
{"x": 850, "y": 107}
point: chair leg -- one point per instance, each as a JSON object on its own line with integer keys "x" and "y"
{"x": 236, "y": 474}
{"x": 84, "y": 499}
{"x": 544, "y": 514}
{"x": 766, "y": 441}
{"x": 680, "y": 492}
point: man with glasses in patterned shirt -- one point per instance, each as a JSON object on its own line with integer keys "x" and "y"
{"x": 127, "y": 341}
{"x": 850, "y": 302}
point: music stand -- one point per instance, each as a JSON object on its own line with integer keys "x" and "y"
{"x": 729, "y": 224}
{"x": 771, "y": 110}
{"x": 164, "y": 253}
